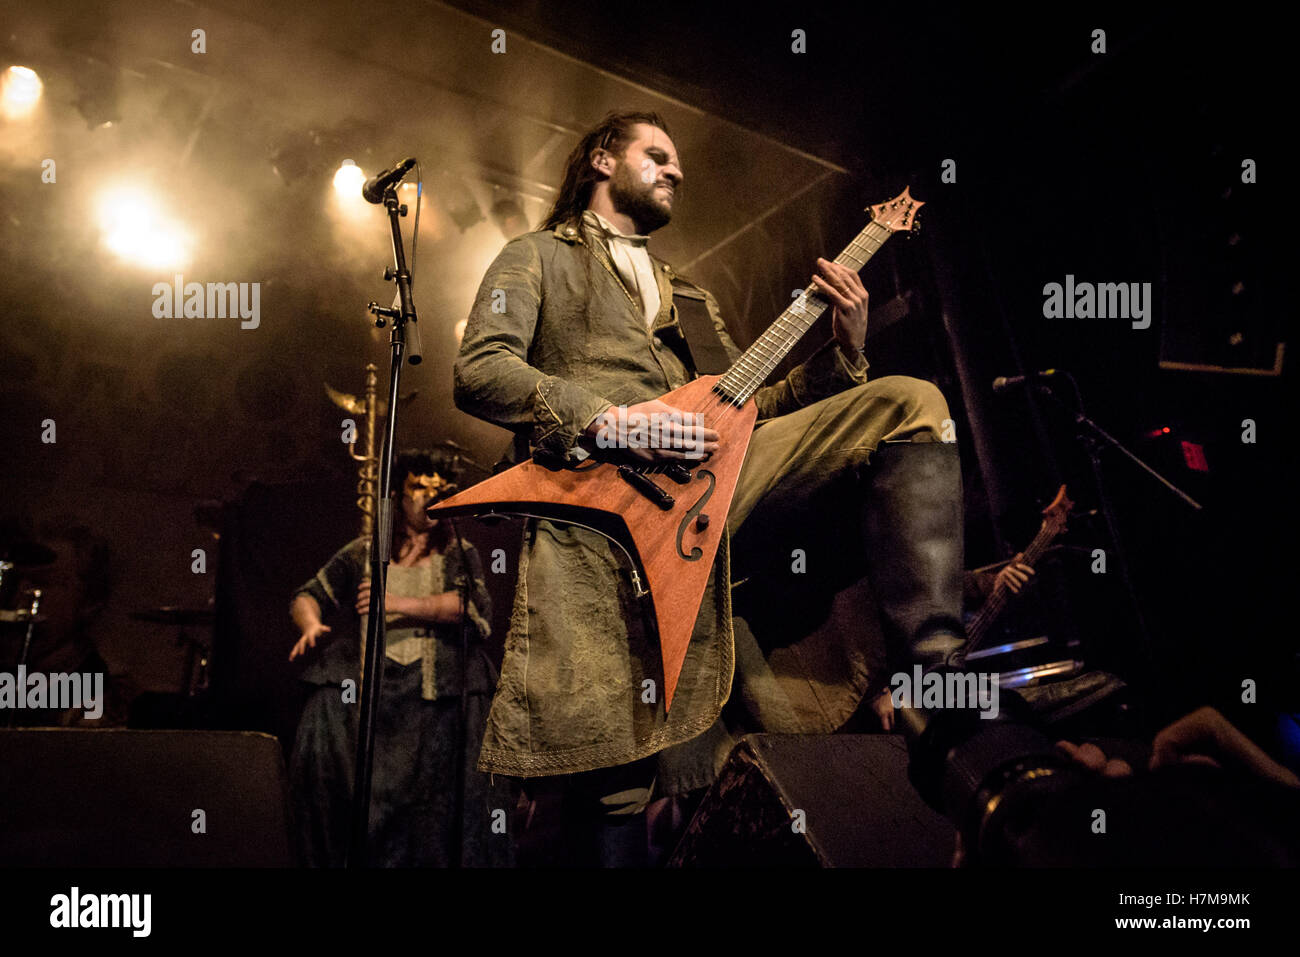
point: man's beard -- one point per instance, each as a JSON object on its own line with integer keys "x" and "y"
{"x": 637, "y": 200}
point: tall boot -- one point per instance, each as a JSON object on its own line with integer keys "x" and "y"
{"x": 912, "y": 523}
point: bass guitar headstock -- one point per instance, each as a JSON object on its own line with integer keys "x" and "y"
{"x": 1054, "y": 515}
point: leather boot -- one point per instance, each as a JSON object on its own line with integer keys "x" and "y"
{"x": 912, "y": 523}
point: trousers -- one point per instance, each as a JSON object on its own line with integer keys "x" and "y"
{"x": 796, "y": 541}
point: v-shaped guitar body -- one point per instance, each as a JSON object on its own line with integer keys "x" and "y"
{"x": 675, "y": 546}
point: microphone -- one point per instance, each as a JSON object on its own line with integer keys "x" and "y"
{"x": 447, "y": 491}
{"x": 373, "y": 191}
{"x": 1005, "y": 383}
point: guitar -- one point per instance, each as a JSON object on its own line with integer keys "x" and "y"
{"x": 669, "y": 519}
{"x": 1054, "y": 517}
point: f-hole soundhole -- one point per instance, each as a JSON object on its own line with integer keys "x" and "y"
{"x": 689, "y": 517}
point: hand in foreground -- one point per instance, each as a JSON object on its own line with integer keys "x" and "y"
{"x": 1203, "y": 737}
{"x": 1206, "y": 737}
{"x": 1088, "y": 755}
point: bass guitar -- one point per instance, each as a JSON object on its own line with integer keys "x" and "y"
{"x": 1054, "y": 517}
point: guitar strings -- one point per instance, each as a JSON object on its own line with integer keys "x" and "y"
{"x": 753, "y": 366}
{"x": 754, "y": 377}
{"x": 752, "y": 369}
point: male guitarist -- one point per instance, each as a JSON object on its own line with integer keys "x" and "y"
{"x": 577, "y": 319}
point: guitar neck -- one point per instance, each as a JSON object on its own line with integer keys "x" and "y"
{"x": 998, "y": 600}
{"x": 1039, "y": 545}
{"x": 751, "y": 370}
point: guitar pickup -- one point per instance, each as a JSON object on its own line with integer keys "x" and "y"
{"x": 678, "y": 473}
{"x": 646, "y": 487}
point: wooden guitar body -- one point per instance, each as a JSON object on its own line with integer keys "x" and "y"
{"x": 675, "y": 546}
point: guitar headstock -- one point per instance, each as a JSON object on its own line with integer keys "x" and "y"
{"x": 1054, "y": 515}
{"x": 898, "y": 215}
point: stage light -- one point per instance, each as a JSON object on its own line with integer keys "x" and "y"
{"x": 349, "y": 179}
{"x": 135, "y": 230}
{"x": 20, "y": 90}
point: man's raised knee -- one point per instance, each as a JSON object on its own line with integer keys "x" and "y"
{"x": 924, "y": 414}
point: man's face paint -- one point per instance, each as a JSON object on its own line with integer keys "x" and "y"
{"x": 424, "y": 488}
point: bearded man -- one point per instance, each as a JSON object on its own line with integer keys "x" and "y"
{"x": 576, "y": 321}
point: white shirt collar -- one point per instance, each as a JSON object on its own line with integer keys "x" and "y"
{"x": 630, "y": 238}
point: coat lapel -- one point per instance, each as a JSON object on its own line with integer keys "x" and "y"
{"x": 663, "y": 279}
{"x": 596, "y": 245}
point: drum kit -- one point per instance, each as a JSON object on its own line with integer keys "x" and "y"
{"x": 23, "y": 560}
{"x": 20, "y": 601}
{"x": 198, "y": 651}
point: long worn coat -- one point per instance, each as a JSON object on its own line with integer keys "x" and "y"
{"x": 553, "y": 340}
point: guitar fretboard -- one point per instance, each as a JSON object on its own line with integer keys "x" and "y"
{"x": 997, "y": 601}
{"x": 751, "y": 370}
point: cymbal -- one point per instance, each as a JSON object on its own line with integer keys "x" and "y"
{"x": 27, "y": 554}
{"x": 19, "y": 617}
{"x": 175, "y": 615}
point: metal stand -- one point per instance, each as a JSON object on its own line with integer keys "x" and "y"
{"x": 466, "y": 588}
{"x": 403, "y": 324}
{"x": 458, "y": 806}
{"x": 30, "y": 616}
{"x": 1094, "y": 438}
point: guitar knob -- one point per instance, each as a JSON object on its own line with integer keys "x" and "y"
{"x": 702, "y": 521}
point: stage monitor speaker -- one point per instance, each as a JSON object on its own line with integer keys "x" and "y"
{"x": 815, "y": 801}
{"x": 119, "y": 798}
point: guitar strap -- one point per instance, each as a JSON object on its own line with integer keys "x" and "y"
{"x": 707, "y": 352}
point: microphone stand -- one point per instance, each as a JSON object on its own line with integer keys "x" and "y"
{"x": 1093, "y": 439}
{"x": 466, "y": 587}
{"x": 403, "y": 323}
